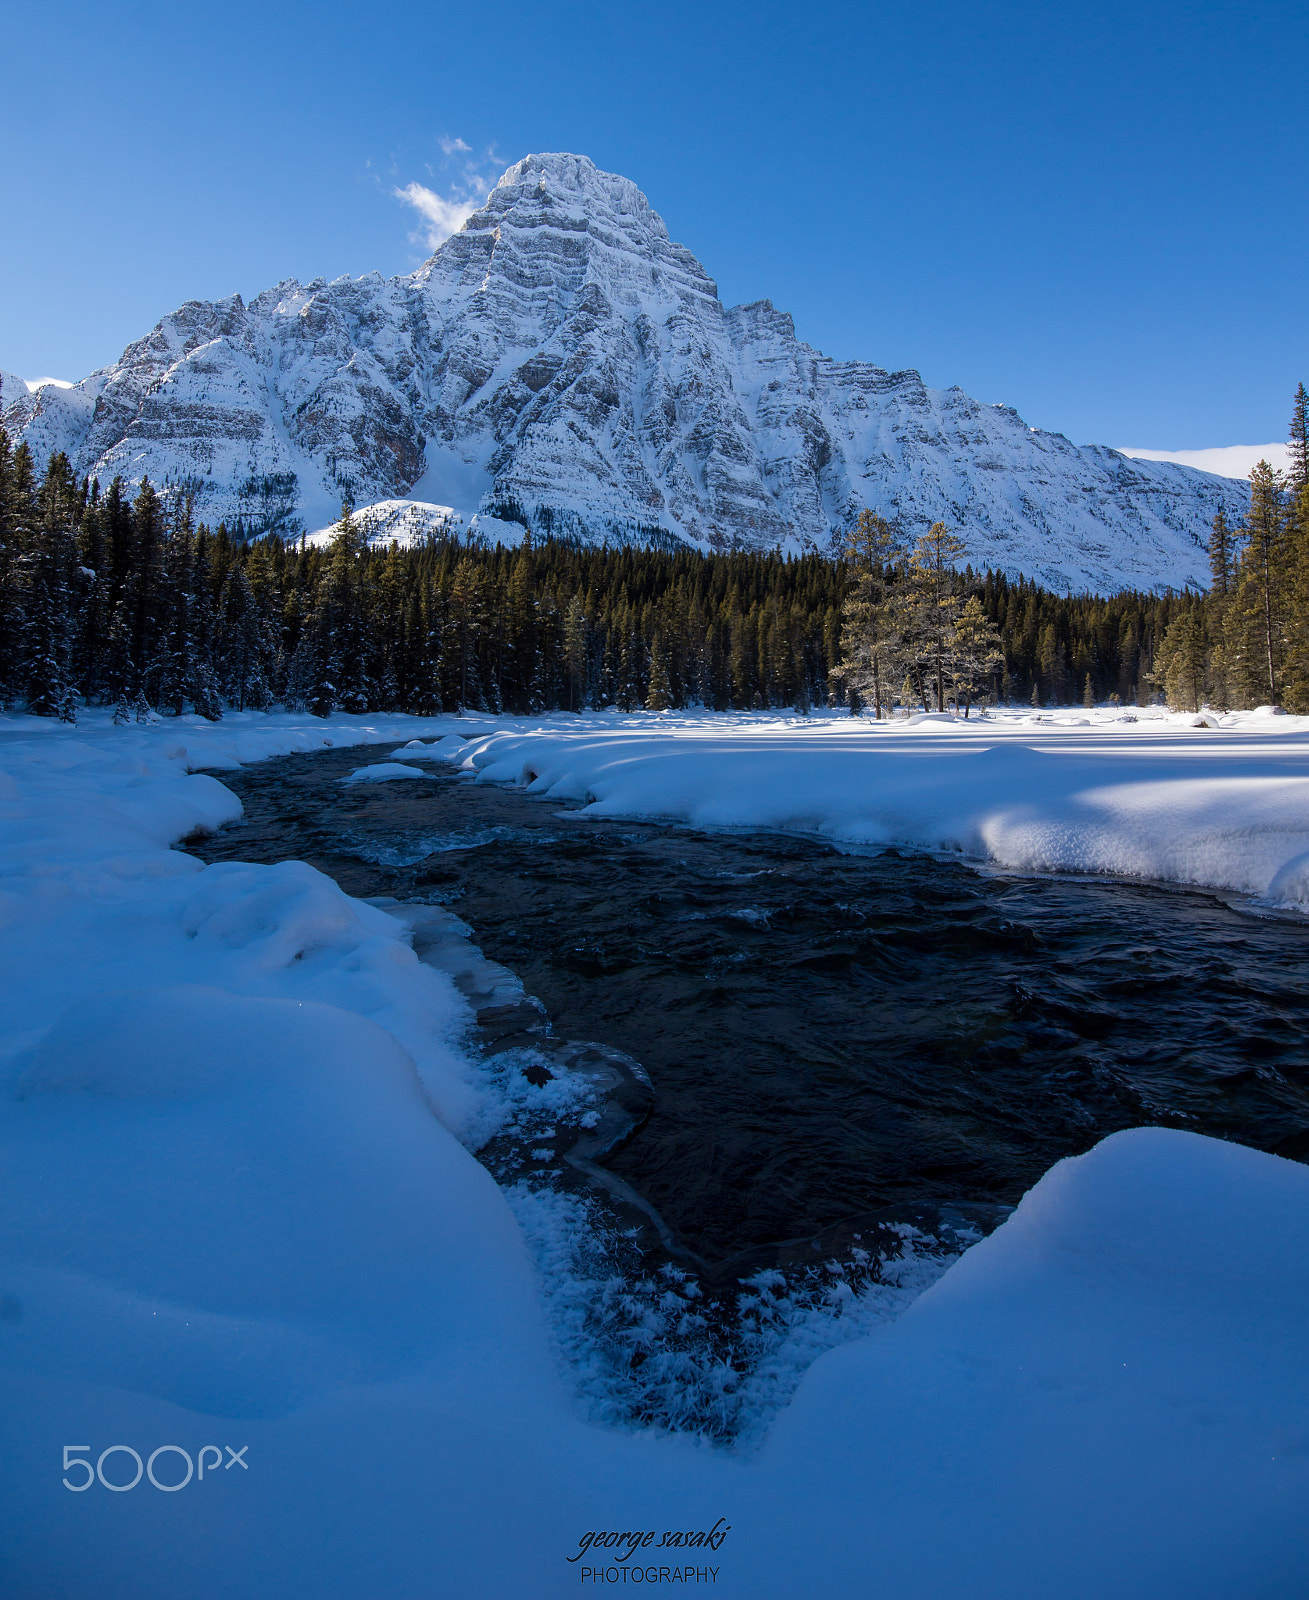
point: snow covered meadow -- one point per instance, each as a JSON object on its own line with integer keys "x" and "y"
{"x": 240, "y": 1216}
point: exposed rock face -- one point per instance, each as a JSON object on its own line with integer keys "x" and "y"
{"x": 561, "y": 357}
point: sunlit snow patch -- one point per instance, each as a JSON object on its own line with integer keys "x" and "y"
{"x": 384, "y": 772}
{"x": 407, "y": 523}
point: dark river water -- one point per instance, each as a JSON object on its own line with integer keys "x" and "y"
{"x": 828, "y": 1034}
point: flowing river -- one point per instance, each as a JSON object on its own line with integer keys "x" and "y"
{"x": 830, "y": 1035}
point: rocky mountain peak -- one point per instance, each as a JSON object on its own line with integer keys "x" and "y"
{"x": 559, "y": 178}
{"x": 560, "y": 360}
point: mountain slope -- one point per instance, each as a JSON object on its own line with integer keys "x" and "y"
{"x": 560, "y": 359}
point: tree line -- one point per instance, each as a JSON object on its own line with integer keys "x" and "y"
{"x": 1246, "y": 642}
{"x": 917, "y": 631}
{"x": 116, "y": 597}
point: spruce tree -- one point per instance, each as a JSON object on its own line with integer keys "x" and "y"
{"x": 657, "y": 696}
{"x": 1052, "y": 661}
{"x": 934, "y": 584}
{"x": 1222, "y": 554}
{"x": 17, "y": 515}
{"x": 46, "y": 571}
{"x": 873, "y": 613}
{"x": 1296, "y": 667}
{"x": 1180, "y": 661}
{"x": 1263, "y": 580}
{"x": 976, "y": 651}
{"x": 145, "y": 586}
{"x": 1297, "y": 477}
{"x": 467, "y": 621}
{"x": 244, "y": 649}
{"x": 575, "y": 653}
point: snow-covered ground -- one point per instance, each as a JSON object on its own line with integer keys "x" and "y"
{"x": 239, "y": 1216}
{"x": 1213, "y": 801}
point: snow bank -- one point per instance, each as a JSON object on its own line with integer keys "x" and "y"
{"x": 239, "y": 1218}
{"x": 384, "y": 772}
{"x": 271, "y": 1166}
{"x": 1126, "y": 1342}
{"x": 1223, "y": 806}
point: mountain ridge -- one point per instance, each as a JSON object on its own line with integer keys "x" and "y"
{"x": 562, "y": 357}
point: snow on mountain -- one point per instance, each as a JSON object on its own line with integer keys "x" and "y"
{"x": 403, "y": 522}
{"x": 559, "y": 358}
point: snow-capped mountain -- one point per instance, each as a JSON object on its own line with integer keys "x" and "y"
{"x": 560, "y": 360}
{"x": 406, "y": 523}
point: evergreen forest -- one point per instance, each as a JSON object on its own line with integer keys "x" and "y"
{"x": 117, "y": 598}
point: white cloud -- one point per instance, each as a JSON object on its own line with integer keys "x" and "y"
{"x": 444, "y": 214}
{"x": 1228, "y": 461}
{"x": 441, "y": 217}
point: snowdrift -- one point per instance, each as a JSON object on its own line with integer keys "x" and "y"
{"x": 241, "y": 1229}
{"x": 1215, "y": 802}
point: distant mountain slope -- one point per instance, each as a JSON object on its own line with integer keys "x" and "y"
{"x": 403, "y": 522}
{"x": 561, "y": 360}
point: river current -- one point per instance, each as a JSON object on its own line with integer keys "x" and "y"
{"x": 829, "y": 1035}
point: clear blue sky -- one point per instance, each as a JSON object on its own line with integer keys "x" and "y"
{"x": 1097, "y": 212}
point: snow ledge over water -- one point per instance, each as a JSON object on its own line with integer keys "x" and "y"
{"x": 1209, "y": 801}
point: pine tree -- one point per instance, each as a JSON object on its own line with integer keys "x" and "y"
{"x": 302, "y": 676}
{"x": 1297, "y": 477}
{"x": 203, "y": 688}
{"x": 1180, "y": 662}
{"x": 872, "y": 615}
{"x": 934, "y": 583}
{"x": 339, "y": 643}
{"x": 46, "y": 569}
{"x": 1221, "y": 557}
{"x": 976, "y": 651}
{"x": 657, "y": 696}
{"x": 422, "y": 629}
{"x": 575, "y": 653}
{"x": 176, "y": 667}
{"x": 244, "y": 649}
{"x": 145, "y": 589}
{"x": 522, "y": 650}
{"x": 1053, "y": 663}
{"x": 1296, "y": 667}
{"x": 17, "y": 516}
{"x": 627, "y": 694}
{"x": 467, "y": 621}
{"x": 1263, "y": 580}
